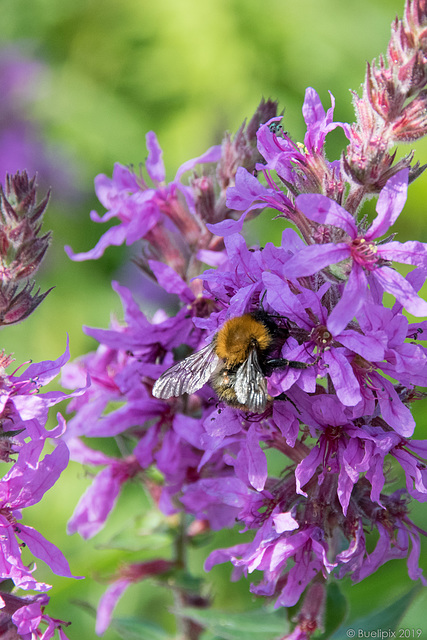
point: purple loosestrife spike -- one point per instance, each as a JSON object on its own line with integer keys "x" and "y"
{"x": 391, "y": 109}
{"x": 338, "y": 423}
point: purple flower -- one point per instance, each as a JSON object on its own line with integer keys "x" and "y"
{"x": 31, "y": 616}
{"x": 308, "y": 313}
{"x": 366, "y": 260}
{"x": 398, "y": 538}
{"x": 304, "y": 167}
{"x": 24, "y": 485}
{"x": 220, "y": 500}
{"x": 275, "y": 542}
{"x": 141, "y": 208}
{"x": 99, "y": 499}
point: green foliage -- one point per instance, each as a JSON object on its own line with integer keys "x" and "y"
{"x": 135, "y": 629}
{"x": 260, "y": 624}
{"x": 386, "y": 620}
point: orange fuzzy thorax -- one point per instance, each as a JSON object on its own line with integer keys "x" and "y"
{"x": 238, "y": 336}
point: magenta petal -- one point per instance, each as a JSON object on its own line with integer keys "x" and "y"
{"x": 314, "y": 258}
{"x": 46, "y": 551}
{"x": 170, "y": 281}
{"x": 285, "y": 522}
{"x": 113, "y": 237}
{"x": 154, "y": 164}
{"x": 370, "y": 347}
{"x": 280, "y": 298}
{"x": 107, "y": 604}
{"x": 393, "y": 282}
{"x": 80, "y": 452}
{"x": 95, "y": 504}
{"x": 247, "y": 189}
{"x": 307, "y": 467}
{"x": 396, "y": 414}
{"x": 343, "y": 378}
{"x": 351, "y": 301}
{"x": 213, "y": 154}
{"x": 414, "y": 570}
{"x": 298, "y": 578}
{"x": 411, "y": 252}
{"x": 218, "y": 556}
{"x": 27, "y": 618}
{"x": 390, "y": 203}
{"x": 28, "y": 482}
{"x": 227, "y": 227}
{"x": 312, "y": 109}
{"x": 256, "y": 460}
{"x": 326, "y": 211}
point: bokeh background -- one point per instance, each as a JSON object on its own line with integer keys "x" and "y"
{"x": 80, "y": 85}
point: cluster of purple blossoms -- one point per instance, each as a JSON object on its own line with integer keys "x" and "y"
{"x": 23, "y": 416}
{"x": 337, "y": 422}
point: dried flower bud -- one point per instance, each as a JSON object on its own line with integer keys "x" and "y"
{"x": 21, "y": 247}
{"x": 241, "y": 151}
{"x": 393, "y": 105}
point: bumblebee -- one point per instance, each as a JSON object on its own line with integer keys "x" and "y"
{"x": 236, "y": 363}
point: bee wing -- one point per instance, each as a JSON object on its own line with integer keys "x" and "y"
{"x": 251, "y": 385}
{"x": 188, "y": 375}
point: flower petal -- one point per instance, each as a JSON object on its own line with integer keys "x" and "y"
{"x": 351, "y": 301}
{"x": 326, "y": 211}
{"x": 95, "y": 504}
{"x": 411, "y": 252}
{"x": 113, "y": 237}
{"x": 343, "y": 378}
{"x": 154, "y": 164}
{"x": 170, "y": 281}
{"x": 213, "y": 154}
{"x": 107, "y": 604}
{"x": 393, "y": 282}
{"x": 314, "y": 258}
{"x": 46, "y": 551}
{"x": 390, "y": 203}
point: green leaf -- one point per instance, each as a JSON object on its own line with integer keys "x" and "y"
{"x": 386, "y": 620}
{"x": 135, "y": 629}
{"x": 146, "y": 531}
{"x": 260, "y": 624}
{"x": 186, "y": 581}
{"x": 207, "y": 635}
{"x": 336, "y": 610}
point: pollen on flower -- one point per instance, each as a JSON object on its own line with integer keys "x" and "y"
{"x": 364, "y": 253}
{"x": 321, "y": 336}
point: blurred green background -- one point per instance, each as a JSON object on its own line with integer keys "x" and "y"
{"x": 111, "y": 70}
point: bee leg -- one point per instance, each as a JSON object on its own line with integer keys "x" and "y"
{"x": 279, "y": 363}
